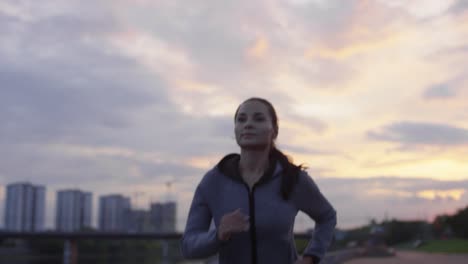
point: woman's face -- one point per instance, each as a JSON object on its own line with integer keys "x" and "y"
{"x": 254, "y": 126}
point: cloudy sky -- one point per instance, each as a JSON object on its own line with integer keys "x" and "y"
{"x": 125, "y": 96}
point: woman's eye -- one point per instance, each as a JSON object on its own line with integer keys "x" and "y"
{"x": 241, "y": 119}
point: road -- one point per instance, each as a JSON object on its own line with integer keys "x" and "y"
{"x": 406, "y": 257}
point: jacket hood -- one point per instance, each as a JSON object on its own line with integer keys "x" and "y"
{"x": 229, "y": 166}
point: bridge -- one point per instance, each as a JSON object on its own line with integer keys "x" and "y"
{"x": 71, "y": 252}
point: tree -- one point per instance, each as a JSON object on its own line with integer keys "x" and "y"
{"x": 458, "y": 223}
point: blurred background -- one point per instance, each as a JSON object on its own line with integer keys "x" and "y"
{"x": 112, "y": 111}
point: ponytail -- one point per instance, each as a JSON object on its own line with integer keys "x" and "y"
{"x": 290, "y": 172}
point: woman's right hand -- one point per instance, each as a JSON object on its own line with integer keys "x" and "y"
{"x": 233, "y": 222}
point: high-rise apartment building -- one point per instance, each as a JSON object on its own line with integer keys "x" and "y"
{"x": 74, "y": 209}
{"x": 139, "y": 221}
{"x": 163, "y": 217}
{"x": 114, "y": 213}
{"x": 25, "y": 207}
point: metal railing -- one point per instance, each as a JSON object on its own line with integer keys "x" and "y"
{"x": 71, "y": 239}
{"x": 71, "y": 251}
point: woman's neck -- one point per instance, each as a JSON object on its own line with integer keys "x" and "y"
{"x": 254, "y": 161}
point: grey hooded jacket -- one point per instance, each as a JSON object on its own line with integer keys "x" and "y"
{"x": 270, "y": 238}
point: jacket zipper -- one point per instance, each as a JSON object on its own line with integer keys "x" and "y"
{"x": 252, "y": 229}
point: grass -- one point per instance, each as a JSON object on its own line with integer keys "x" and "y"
{"x": 301, "y": 244}
{"x": 445, "y": 246}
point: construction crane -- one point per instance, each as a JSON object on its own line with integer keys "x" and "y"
{"x": 169, "y": 185}
{"x": 136, "y": 195}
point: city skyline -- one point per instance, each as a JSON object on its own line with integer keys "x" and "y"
{"x": 78, "y": 202}
{"x": 138, "y": 97}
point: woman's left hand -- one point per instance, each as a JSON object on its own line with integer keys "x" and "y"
{"x": 305, "y": 260}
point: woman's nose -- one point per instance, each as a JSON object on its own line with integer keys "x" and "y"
{"x": 248, "y": 125}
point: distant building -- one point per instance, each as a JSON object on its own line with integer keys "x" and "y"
{"x": 163, "y": 217}
{"x": 156, "y": 216}
{"x": 139, "y": 221}
{"x": 114, "y": 213}
{"x": 74, "y": 209}
{"x": 25, "y": 207}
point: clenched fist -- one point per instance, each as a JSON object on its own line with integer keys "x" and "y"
{"x": 233, "y": 222}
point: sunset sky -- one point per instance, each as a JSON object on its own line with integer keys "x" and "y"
{"x": 121, "y": 96}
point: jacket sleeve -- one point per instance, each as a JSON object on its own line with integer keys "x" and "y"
{"x": 311, "y": 201}
{"x": 198, "y": 241}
